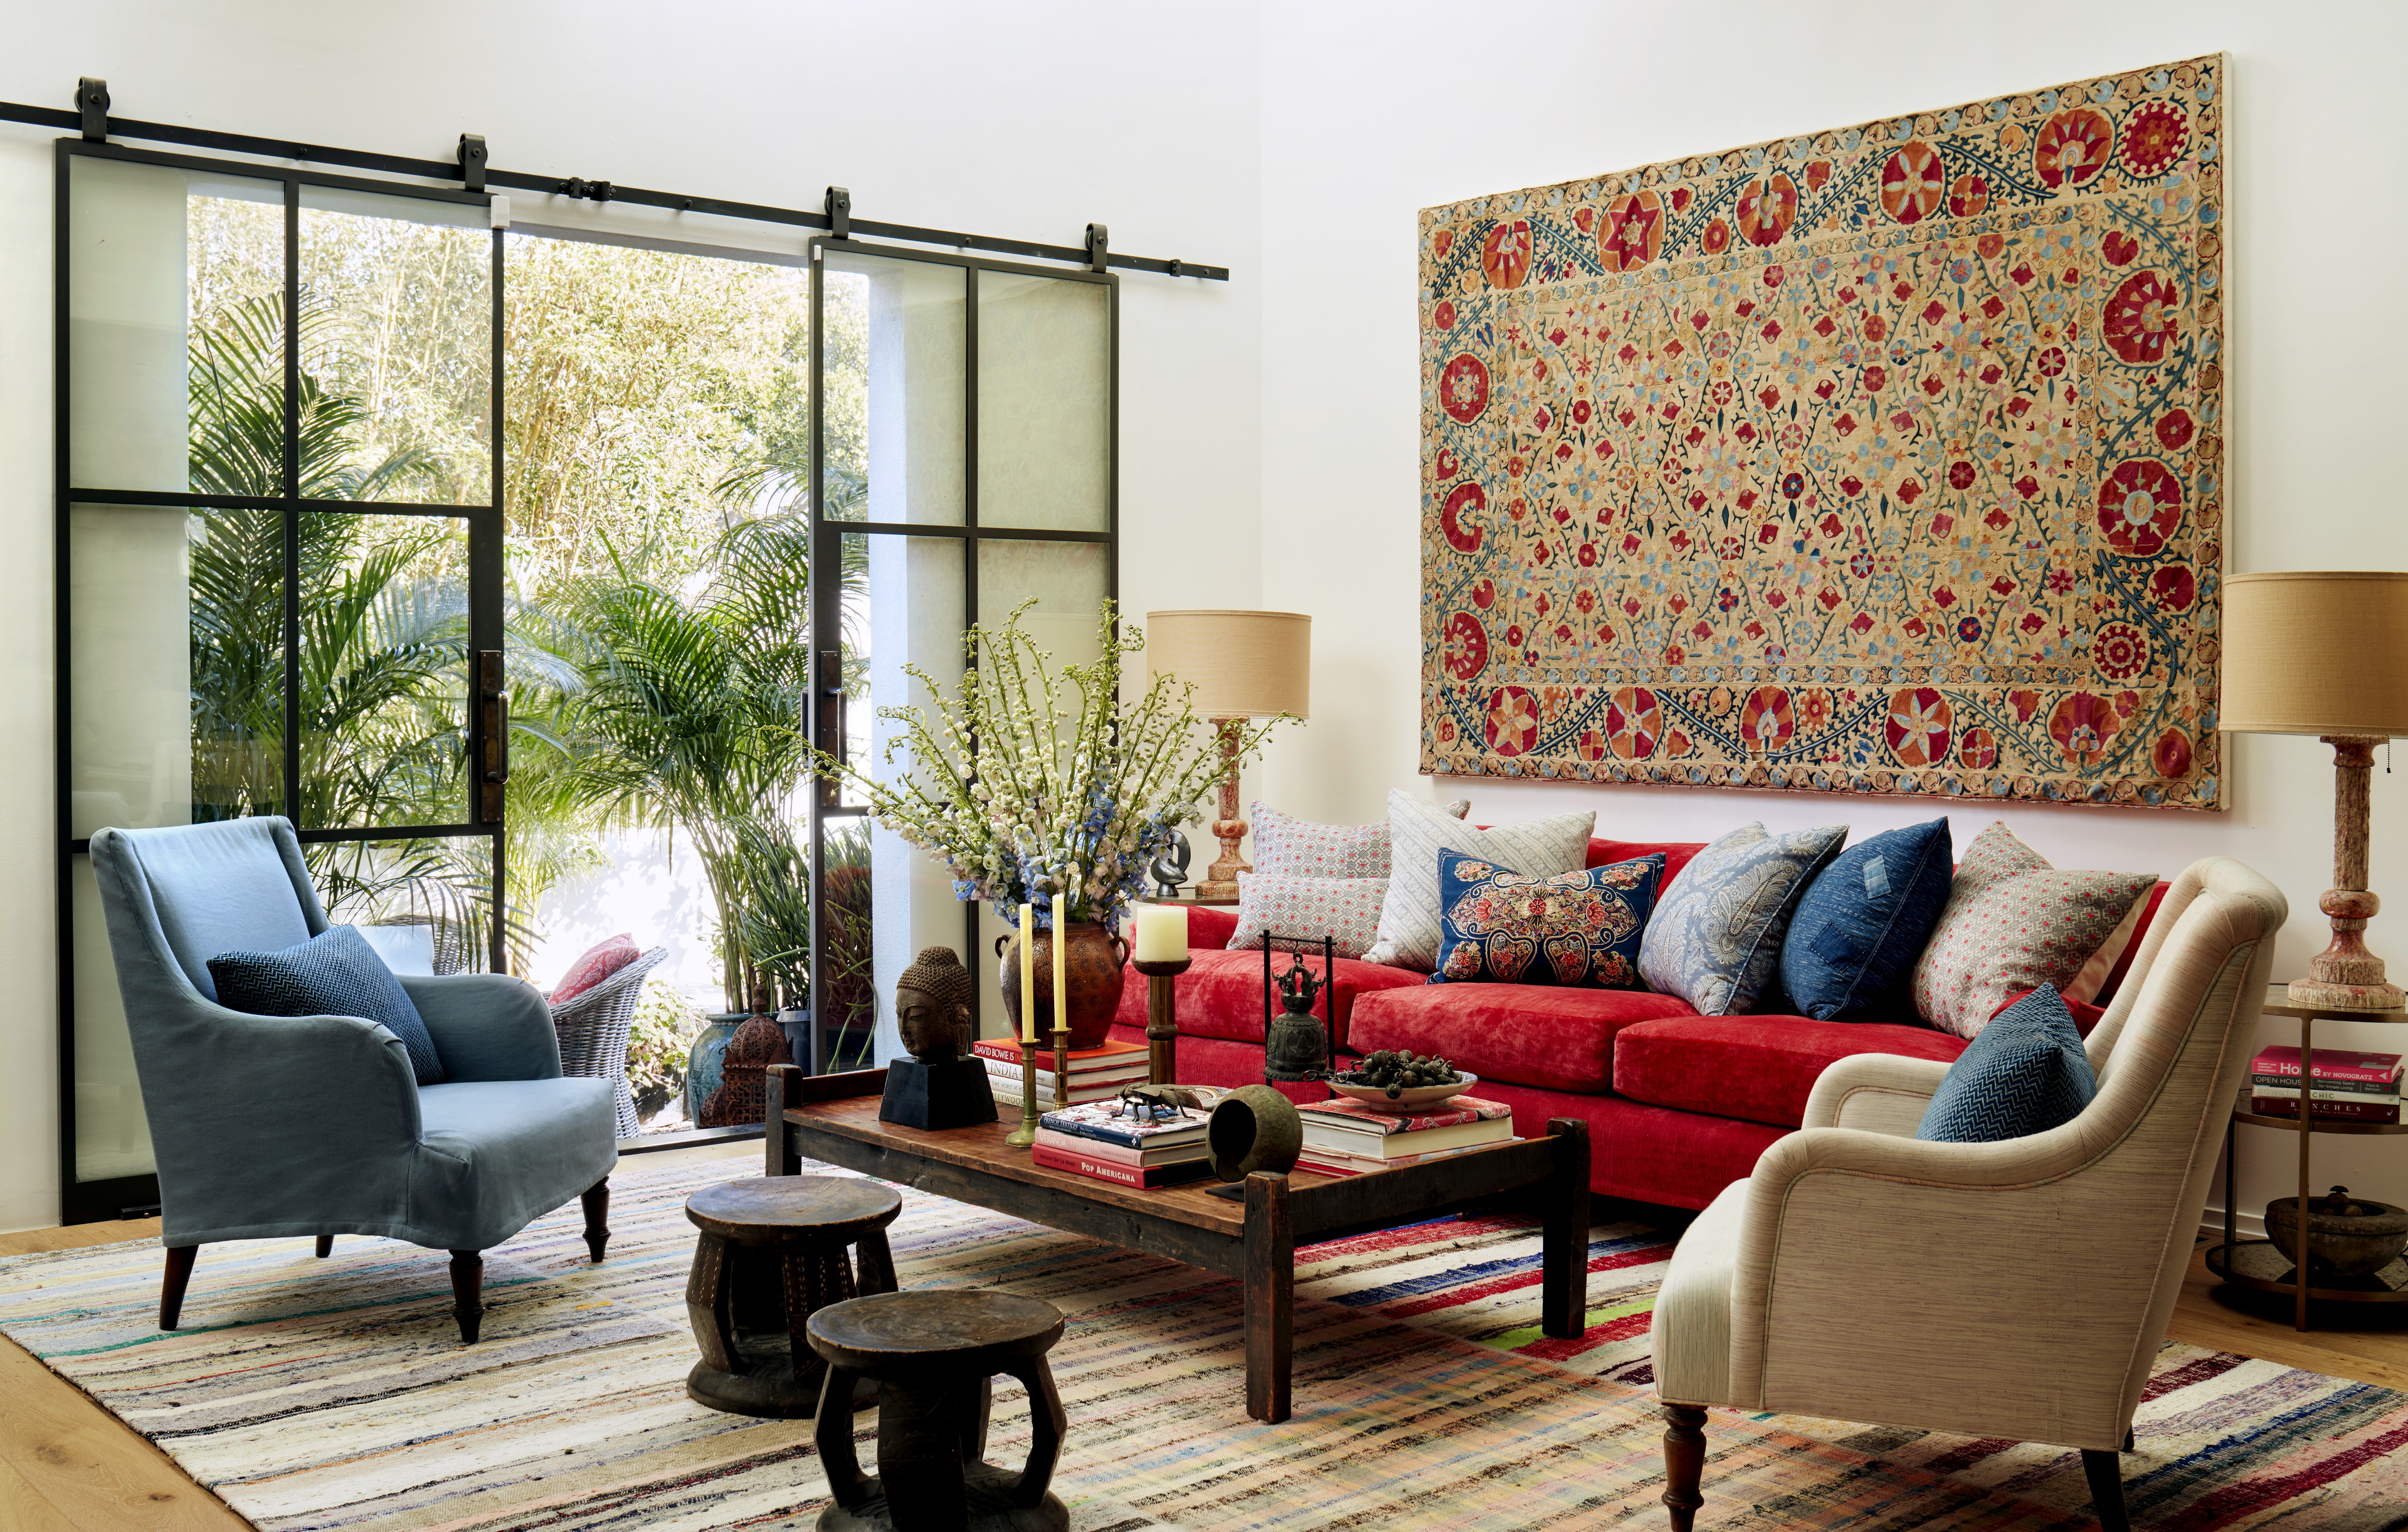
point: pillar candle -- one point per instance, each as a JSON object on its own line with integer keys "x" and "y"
{"x": 1161, "y": 933}
{"x": 1028, "y": 973}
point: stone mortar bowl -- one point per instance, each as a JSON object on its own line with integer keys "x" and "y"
{"x": 2344, "y": 1246}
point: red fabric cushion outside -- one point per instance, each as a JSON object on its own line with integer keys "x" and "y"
{"x": 1221, "y": 994}
{"x": 1211, "y": 926}
{"x": 1757, "y": 1068}
{"x": 1676, "y": 855}
{"x": 1530, "y": 1034}
{"x": 599, "y": 962}
{"x": 2131, "y": 950}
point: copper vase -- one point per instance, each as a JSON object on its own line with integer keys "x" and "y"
{"x": 1092, "y": 967}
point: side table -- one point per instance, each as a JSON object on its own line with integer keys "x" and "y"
{"x": 2258, "y": 1263}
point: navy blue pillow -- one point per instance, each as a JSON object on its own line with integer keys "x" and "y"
{"x": 1852, "y": 945}
{"x": 1500, "y": 926}
{"x": 334, "y": 973}
{"x": 2024, "y": 1073}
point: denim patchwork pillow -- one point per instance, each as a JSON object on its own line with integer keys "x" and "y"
{"x": 334, "y": 973}
{"x": 2026, "y": 1073}
{"x": 1500, "y": 926}
{"x": 1852, "y": 945}
{"x": 1715, "y": 939}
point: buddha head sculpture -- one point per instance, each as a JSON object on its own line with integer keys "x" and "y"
{"x": 932, "y": 1006}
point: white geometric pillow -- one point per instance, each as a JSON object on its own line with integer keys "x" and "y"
{"x": 1408, "y": 929}
{"x": 2012, "y": 923}
{"x": 1299, "y": 847}
{"x": 1347, "y": 909}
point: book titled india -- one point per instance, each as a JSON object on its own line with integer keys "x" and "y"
{"x": 1144, "y": 1178}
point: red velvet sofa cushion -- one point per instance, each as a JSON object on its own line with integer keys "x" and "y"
{"x": 1677, "y": 853}
{"x": 1221, "y": 994}
{"x": 1542, "y": 1035}
{"x": 1211, "y": 925}
{"x": 1757, "y": 1068}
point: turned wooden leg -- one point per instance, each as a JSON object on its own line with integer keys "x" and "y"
{"x": 2105, "y": 1471}
{"x": 172, "y": 1283}
{"x": 596, "y": 1199}
{"x": 325, "y": 1246}
{"x": 469, "y": 1293}
{"x": 1685, "y": 1463}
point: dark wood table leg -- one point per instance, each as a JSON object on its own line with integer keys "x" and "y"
{"x": 173, "y": 1279}
{"x": 777, "y": 1144}
{"x": 1563, "y": 1302}
{"x": 1271, "y": 1295}
{"x": 325, "y": 1246}
{"x": 468, "y": 1293}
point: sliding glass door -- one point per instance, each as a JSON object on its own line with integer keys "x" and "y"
{"x": 279, "y": 556}
{"x": 964, "y": 439}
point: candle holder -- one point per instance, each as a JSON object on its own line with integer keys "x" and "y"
{"x": 1162, "y": 1017}
{"x": 1025, "y": 1133}
{"x": 1061, "y": 1068}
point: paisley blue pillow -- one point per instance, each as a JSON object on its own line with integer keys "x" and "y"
{"x": 1715, "y": 941}
{"x": 1500, "y": 926}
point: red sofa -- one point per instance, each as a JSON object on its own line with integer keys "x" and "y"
{"x": 1678, "y": 1105}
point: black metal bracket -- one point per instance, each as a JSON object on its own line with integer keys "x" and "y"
{"x": 600, "y": 191}
{"x": 1099, "y": 239}
{"x": 839, "y": 212}
{"x": 1171, "y": 266}
{"x": 472, "y": 160}
{"x": 91, "y": 100}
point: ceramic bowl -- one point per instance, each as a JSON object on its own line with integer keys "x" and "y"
{"x": 1413, "y": 1096}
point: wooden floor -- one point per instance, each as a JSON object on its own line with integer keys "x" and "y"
{"x": 68, "y": 1466}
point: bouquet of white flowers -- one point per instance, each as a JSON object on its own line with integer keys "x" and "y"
{"x": 1029, "y": 801}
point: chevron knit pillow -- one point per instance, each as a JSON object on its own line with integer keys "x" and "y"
{"x": 1408, "y": 917}
{"x": 2025, "y": 1074}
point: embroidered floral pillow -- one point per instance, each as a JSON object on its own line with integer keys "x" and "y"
{"x": 1298, "y": 848}
{"x": 1579, "y": 928}
{"x": 1346, "y": 910}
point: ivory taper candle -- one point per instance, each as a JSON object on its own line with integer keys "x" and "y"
{"x": 1028, "y": 973}
{"x": 1061, "y": 949}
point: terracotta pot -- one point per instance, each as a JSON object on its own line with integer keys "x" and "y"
{"x": 1092, "y": 967}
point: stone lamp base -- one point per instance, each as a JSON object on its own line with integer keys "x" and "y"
{"x": 2346, "y": 976}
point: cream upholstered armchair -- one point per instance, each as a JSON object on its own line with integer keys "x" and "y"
{"x": 2016, "y": 1289}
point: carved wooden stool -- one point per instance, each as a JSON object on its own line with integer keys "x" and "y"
{"x": 931, "y": 1353}
{"x": 772, "y": 1252}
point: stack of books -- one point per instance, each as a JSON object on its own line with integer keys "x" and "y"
{"x": 1346, "y": 1137}
{"x": 2342, "y": 1086}
{"x": 1127, "y": 1150}
{"x": 1096, "y": 1074}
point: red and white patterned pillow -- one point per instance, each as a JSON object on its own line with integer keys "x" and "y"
{"x": 2013, "y": 924}
{"x": 1345, "y": 908}
{"x": 1298, "y": 848}
{"x": 601, "y": 960}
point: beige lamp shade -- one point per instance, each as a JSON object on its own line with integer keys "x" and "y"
{"x": 2315, "y": 654}
{"x": 1242, "y": 663}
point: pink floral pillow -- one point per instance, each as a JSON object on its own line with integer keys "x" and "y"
{"x": 1298, "y": 848}
{"x": 603, "y": 959}
{"x": 1346, "y": 908}
{"x": 2013, "y": 924}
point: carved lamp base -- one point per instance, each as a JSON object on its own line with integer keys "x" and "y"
{"x": 2346, "y": 976}
{"x": 1220, "y": 881}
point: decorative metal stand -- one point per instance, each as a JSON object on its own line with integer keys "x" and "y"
{"x": 1025, "y": 1133}
{"x": 1162, "y": 1018}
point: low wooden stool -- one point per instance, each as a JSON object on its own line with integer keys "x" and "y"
{"x": 772, "y": 1252}
{"x": 933, "y": 1353}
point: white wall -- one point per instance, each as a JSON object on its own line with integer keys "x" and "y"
{"x": 1364, "y": 125}
{"x": 1028, "y": 121}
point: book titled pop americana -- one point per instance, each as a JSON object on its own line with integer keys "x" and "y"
{"x": 1144, "y": 1178}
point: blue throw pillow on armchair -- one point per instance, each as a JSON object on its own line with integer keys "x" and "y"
{"x": 2026, "y": 1073}
{"x": 334, "y": 973}
{"x": 1852, "y": 946}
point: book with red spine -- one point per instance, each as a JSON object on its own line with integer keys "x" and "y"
{"x": 1362, "y": 1117}
{"x": 1322, "y": 1162}
{"x": 2332, "y": 1067}
{"x": 1143, "y": 1178}
{"x": 2324, "y": 1109}
{"x": 1071, "y": 1143}
{"x": 1111, "y": 1058}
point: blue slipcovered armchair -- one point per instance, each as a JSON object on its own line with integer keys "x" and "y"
{"x": 270, "y": 1126}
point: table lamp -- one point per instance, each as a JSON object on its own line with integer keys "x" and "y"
{"x": 1243, "y": 665}
{"x": 2327, "y": 654}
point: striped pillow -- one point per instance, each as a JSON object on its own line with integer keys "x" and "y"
{"x": 1417, "y": 833}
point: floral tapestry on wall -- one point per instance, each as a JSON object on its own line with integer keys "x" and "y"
{"x": 1882, "y": 459}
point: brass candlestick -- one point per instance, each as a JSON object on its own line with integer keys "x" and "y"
{"x": 1162, "y": 1017}
{"x": 1025, "y": 1133}
{"x": 1061, "y": 1068}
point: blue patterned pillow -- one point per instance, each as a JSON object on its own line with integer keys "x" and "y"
{"x": 2026, "y": 1073}
{"x": 334, "y": 973}
{"x": 1715, "y": 938}
{"x": 1863, "y": 922}
{"x": 1505, "y": 927}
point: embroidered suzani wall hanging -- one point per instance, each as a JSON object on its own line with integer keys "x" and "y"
{"x": 1887, "y": 459}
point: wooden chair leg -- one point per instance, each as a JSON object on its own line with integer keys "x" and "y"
{"x": 596, "y": 1199}
{"x": 2105, "y": 1471}
{"x": 469, "y": 1293}
{"x": 1685, "y": 1463}
{"x": 179, "y": 1276}
{"x": 325, "y": 1246}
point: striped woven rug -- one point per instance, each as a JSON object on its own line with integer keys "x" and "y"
{"x": 334, "y": 1395}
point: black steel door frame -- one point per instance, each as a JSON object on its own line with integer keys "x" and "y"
{"x": 88, "y": 1201}
{"x": 827, "y": 718}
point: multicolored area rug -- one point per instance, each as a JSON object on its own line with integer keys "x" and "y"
{"x": 334, "y": 1395}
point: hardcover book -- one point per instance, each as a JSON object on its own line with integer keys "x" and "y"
{"x": 1071, "y": 1143}
{"x": 2333, "y": 1064}
{"x": 1111, "y": 1058}
{"x": 2324, "y": 1109}
{"x": 1354, "y": 1116}
{"x": 1104, "y": 1123}
{"x": 1145, "y": 1177}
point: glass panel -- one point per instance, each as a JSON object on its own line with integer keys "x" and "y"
{"x": 396, "y": 349}
{"x": 1045, "y": 403}
{"x": 425, "y": 905}
{"x": 384, "y": 670}
{"x": 890, "y": 337}
{"x": 113, "y": 1133}
{"x": 1066, "y": 580}
{"x": 175, "y": 330}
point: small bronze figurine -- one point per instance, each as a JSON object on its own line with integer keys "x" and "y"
{"x": 1170, "y": 869}
{"x": 932, "y": 1007}
{"x": 1298, "y": 1048}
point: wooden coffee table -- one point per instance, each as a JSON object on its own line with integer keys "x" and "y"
{"x": 834, "y": 1119}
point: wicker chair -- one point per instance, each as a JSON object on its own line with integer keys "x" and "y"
{"x": 592, "y": 1028}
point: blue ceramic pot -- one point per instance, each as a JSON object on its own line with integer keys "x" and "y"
{"x": 704, "y": 1060}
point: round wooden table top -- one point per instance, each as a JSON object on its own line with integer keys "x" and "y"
{"x": 776, "y": 1209}
{"x": 961, "y": 1330}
